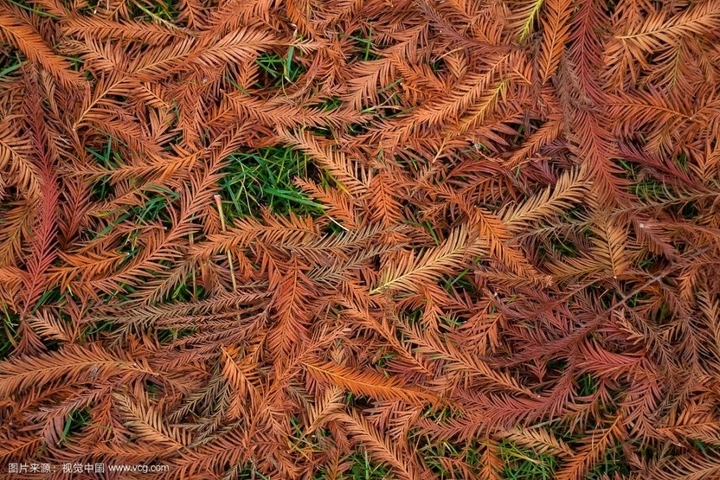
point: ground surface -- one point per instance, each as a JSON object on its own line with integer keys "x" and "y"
{"x": 359, "y": 239}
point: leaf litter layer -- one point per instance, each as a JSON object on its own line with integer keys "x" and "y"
{"x": 407, "y": 239}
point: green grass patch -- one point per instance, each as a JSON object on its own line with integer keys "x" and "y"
{"x": 277, "y": 71}
{"x": 74, "y": 423}
{"x": 363, "y": 468}
{"x": 458, "y": 283}
{"x": 264, "y": 178}
{"x": 158, "y": 11}
{"x": 613, "y": 463}
{"x": 526, "y": 464}
{"x": 8, "y": 331}
{"x": 10, "y": 64}
{"x": 365, "y": 48}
